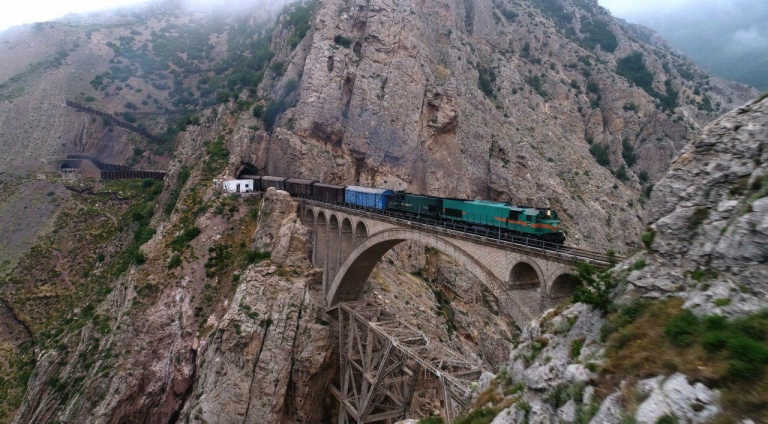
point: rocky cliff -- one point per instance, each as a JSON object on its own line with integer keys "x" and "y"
{"x": 140, "y": 301}
{"x": 707, "y": 220}
{"x": 684, "y": 340}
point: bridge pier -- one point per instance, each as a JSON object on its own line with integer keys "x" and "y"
{"x": 381, "y": 360}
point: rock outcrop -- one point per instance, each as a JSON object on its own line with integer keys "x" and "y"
{"x": 708, "y": 222}
{"x": 269, "y": 357}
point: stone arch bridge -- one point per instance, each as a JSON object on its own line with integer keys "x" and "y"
{"x": 526, "y": 280}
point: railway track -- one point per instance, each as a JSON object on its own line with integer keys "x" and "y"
{"x": 522, "y": 244}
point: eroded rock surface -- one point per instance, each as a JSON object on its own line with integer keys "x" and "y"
{"x": 709, "y": 216}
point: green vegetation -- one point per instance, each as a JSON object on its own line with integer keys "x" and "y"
{"x": 639, "y": 264}
{"x": 478, "y": 416}
{"x": 141, "y": 213}
{"x": 445, "y": 310}
{"x": 660, "y": 338}
{"x": 595, "y": 287}
{"x": 509, "y": 15}
{"x": 555, "y": 10}
{"x": 633, "y": 68}
{"x": 600, "y": 152}
{"x": 537, "y": 83}
{"x": 628, "y": 153}
{"x": 217, "y": 158}
{"x": 181, "y": 180}
{"x": 698, "y": 217}
{"x": 297, "y": 16}
{"x": 342, "y": 40}
{"x": 667, "y": 419}
{"x": 13, "y": 380}
{"x": 181, "y": 241}
{"x": 175, "y": 261}
{"x": 597, "y": 32}
{"x": 621, "y": 173}
{"x": 576, "y": 346}
{"x": 14, "y": 86}
{"x": 486, "y": 79}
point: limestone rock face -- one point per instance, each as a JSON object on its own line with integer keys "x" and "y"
{"x": 266, "y": 350}
{"x": 674, "y": 396}
{"x": 543, "y": 359}
{"x": 280, "y": 230}
{"x": 450, "y": 98}
{"x": 710, "y": 219}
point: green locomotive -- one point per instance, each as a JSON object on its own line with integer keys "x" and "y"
{"x": 540, "y": 223}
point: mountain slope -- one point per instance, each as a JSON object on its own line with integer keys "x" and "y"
{"x": 523, "y": 101}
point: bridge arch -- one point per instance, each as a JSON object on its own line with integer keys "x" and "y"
{"x": 349, "y": 282}
{"x": 347, "y": 237}
{"x": 525, "y": 275}
{"x": 334, "y": 245}
{"x": 309, "y": 217}
{"x": 562, "y": 287}
{"x": 361, "y": 232}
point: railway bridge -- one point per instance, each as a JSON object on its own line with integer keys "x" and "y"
{"x": 525, "y": 277}
{"x": 382, "y": 357}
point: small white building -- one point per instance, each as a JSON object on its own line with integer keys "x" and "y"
{"x": 237, "y": 186}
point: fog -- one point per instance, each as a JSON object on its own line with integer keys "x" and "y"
{"x": 31, "y": 11}
{"x": 729, "y": 38}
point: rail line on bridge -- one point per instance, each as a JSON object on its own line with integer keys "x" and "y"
{"x": 550, "y": 251}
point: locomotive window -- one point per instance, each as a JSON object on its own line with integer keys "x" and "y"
{"x": 431, "y": 208}
{"x": 513, "y": 216}
{"x": 453, "y": 213}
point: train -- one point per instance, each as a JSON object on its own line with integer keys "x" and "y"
{"x": 538, "y": 223}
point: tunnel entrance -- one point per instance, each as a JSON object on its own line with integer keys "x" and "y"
{"x": 247, "y": 171}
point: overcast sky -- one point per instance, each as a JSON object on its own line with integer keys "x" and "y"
{"x": 17, "y": 12}
{"x": 631, "y": 8}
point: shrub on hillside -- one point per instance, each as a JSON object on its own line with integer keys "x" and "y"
{"x": 595, "y": 287}
{"x": 600, "y": 152}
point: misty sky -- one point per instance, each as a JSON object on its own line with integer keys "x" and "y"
{"x": 29, "y": 11}
{"x": 727, "y": 37}
{"x": 631, "y": 8}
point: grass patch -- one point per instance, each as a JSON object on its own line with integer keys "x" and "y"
{"x": 478, "y": 416}
{"x": 660, "y": 338}
{"x": 181, "y": 242}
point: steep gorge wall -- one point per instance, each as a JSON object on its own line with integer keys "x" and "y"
{"x": 389, "y": 95}
{"x": 709, "y": 219}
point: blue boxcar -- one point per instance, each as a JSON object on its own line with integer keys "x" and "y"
{"x": 377, "y": 198}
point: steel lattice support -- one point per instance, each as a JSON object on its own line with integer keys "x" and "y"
{"x": 380, "y": 361}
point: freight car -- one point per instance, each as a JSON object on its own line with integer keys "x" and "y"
{"x": 277, "y": 182}
{"x": 367, "y": 197}
{"x": 328, "y": 192}
{"x": 299, "y": 188}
